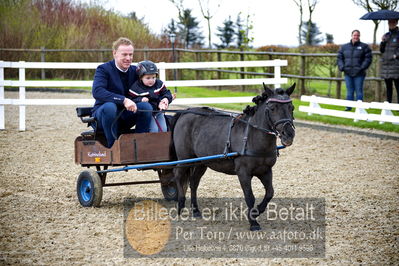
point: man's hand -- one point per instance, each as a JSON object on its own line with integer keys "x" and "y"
{"x": 129, "y": 105}
{"x": 385, "y": 37}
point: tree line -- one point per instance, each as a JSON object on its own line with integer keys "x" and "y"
{"x": 70, "y": 24}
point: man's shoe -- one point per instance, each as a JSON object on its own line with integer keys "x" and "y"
{"x": 348, "y": 108}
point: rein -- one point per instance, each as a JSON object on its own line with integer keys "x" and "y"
{"x": 235, "y": 116}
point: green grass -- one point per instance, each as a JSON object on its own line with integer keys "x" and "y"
{"x": 323, "y": 88}
{"x": 203, "y": 92}
{"x": 193, "y": 92}
{"x": 343, "y": 121}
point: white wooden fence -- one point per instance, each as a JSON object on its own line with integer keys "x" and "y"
{"x": 360, "y": 113}
{"x": 22, "y": 83}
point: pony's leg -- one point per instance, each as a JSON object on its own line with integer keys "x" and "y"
{"x": 195, "y": 178}
{"x": 181, "y": 175}
{"x": 267, "y": 181}
{"x": 245, "y": 182}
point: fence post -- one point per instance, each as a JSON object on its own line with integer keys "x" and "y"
{"x": 242, "y": 69}
{"x": 22, "y": 94}
{"x": 101, "y": 55}
{"x": 2, "y": 119}
{"x": 162, "y": 71}
{"x": 43, "y": 59}
{"x": 360, "y": 111}
{"x": 277, "y": 74}
{"x": 145, "y": 52}
{"x": 302, "y": 71}
{"x": 339, "y": 82}
{"x": 219, "y": 74}
{"x": 197, "y": 72}
{"x": 179, "y": 72}
{"x": 270, "y": 56}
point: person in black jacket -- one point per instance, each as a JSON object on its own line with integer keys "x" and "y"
{"x": 152, "y": 90}
{"x": 389, "y": 48}
{"x": 111, "y": 84}
{"x": 353, "y": 59}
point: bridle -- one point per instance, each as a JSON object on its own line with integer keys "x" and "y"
{"x": 283, "y": 121}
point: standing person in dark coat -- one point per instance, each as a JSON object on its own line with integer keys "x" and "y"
{"x": 148, "y": 88}
{"x": 353, "y": 59}
{"x": 389, "y": 48}
{"x": 111, "y": 84}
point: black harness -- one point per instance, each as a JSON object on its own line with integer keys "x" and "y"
{"x": 236, "y": 117}
{"x": 273, "y": 131}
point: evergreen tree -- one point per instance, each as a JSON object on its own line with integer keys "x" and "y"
{"x": 171, "y": 28}
{"x": 189, "y": 30}
{"x": 240, "y": 32}
{"x": 329, "y": 38}
{"x": 311, "y": 37}
{"x": 243, "y": 31}
{"x": 226, "y": 33}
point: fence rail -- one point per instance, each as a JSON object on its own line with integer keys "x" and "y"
{"x": 360, "y": 113}
{"x": 302, "y": 72}
{"x": 22, "y": 83}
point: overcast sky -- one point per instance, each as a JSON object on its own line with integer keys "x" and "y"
{"x": 275, "y": 22}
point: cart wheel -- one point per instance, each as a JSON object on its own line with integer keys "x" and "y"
{"x": 169, "y": 191}
{"x": 89, "y": 188}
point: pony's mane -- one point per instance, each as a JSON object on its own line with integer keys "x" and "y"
{"x": 250, "y": 110}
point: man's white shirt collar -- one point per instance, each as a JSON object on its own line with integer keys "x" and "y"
{"x": 124, "y": 71}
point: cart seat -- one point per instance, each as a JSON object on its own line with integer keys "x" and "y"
{"x": 84, "y": 113}
{"x": 88, "y": 133}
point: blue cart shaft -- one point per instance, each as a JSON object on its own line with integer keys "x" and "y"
{"x": 172, "y": 163}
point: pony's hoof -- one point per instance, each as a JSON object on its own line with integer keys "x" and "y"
{"x": 197, "y": 214}
{"x": 255, "y": 228}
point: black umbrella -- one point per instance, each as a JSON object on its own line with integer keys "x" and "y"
{"x": 381, "y": 15}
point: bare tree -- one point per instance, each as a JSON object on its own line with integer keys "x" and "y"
{"x": 179, "y": 5}
{"x": 300, "y": 6}
{"x": 206, "y": 13}
{"x": 189, "y": 32}
{"x": 311, "y": 7}
{"x": 375, "y": 5}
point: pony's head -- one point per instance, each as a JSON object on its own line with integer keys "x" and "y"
{"x": 276, "y": 110}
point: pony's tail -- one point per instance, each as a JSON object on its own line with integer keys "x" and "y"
{"x": 171, "y": 123}
{"x": 172, "y": 120}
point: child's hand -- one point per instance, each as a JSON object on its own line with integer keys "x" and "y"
{"x": 163, "y": 105}
{"x": 145, "y": 99}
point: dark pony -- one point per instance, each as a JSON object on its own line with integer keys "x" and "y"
{"x": 201, "y": 132}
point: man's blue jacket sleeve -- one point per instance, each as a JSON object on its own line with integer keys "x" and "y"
{"x": 106, "y": 87}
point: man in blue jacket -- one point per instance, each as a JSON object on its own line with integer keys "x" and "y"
{"x": 111, "y": 84}
{"x": 354, "y": 58}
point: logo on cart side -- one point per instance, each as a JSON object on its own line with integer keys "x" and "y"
{"x": 97, "y": 154}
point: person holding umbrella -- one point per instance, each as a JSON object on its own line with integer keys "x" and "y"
{"x": 353, "y": 59}
{"x": 389, "y": 49}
